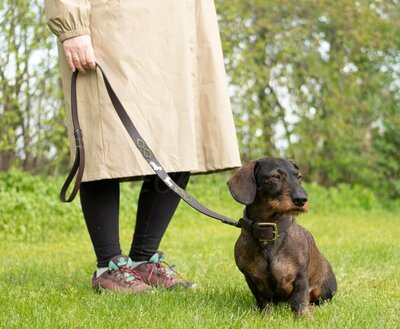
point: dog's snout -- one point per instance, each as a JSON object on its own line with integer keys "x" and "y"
{"x": 300, "y": 200}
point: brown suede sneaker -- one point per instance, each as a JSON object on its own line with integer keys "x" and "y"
{"x": 119, "y": 277}
{"x": 155, "y": 274}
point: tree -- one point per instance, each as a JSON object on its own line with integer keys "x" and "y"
{"x": 31, "y": 120}
{"x": 313, "y": 80}
{"x": 320, "y": 81}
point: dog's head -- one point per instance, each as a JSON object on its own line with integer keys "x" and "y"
{"x": 273, "y": 183}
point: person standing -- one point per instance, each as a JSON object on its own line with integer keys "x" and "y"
{"x": 165, "y": 63}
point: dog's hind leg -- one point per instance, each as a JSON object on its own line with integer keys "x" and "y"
{"x": 328, "y": 289}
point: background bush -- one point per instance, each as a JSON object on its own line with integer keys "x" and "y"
{"x": 30, "y": 209}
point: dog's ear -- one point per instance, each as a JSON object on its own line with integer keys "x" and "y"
{"x": 243, "y": 185}
{"x": 294, "y": 163}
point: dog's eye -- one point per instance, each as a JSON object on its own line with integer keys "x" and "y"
{"x": 276, "y": 176}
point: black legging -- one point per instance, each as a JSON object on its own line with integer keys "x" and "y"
{"x": 156, "y": 206}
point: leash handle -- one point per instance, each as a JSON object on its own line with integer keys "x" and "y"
{"x": 141, "y": 145}
{"x": 79, "y": 163}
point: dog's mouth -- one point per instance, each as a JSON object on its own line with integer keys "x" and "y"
{"x": 286, "y": 205}
{"x": 300, "y": 209}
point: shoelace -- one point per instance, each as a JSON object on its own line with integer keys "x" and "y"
{"x": 131, "y": 273}
{"x": 167, "y": 273}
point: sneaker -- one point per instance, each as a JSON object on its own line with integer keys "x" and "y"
{"x": 119, "y": 277}
{"x": 157, "y": 273}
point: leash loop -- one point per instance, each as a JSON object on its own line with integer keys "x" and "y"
{"x": 148, "y": 155}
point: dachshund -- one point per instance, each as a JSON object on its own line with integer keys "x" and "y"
{"x": 278, "y": 257}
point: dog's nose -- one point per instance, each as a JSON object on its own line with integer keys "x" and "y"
{"x": 300, "y": 201}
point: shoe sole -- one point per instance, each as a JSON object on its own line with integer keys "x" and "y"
{"x": 99, "y": 289}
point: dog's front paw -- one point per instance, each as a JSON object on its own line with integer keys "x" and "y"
{"x": 266, "y": 309}
{"x": 304, "y": 312}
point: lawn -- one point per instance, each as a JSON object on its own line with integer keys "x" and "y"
{"x": 47, "y": 262}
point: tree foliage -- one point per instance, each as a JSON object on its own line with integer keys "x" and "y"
{"x": 32, "y": 133}
{"x": 318, "y": 81}
{"x": 313, "y": 80}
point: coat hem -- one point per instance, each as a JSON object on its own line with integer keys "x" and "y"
{"x": 134, "y": 177}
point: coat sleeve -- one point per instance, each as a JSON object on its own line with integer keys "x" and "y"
{"x": 68, "y": 18}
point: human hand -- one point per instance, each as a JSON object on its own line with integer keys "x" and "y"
{"x": 79, "y": 53}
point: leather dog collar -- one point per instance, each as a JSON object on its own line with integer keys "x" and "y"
{"x": 263, "y": 231}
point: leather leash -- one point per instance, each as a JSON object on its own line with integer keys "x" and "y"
{"x": 79, "y": 163}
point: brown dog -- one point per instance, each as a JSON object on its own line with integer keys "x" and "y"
{"x": 278, "y": 257}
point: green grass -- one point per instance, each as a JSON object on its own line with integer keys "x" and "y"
{"x": 47, "y": 263}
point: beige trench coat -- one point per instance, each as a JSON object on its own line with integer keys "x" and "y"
{"x": 164, "y": 60}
